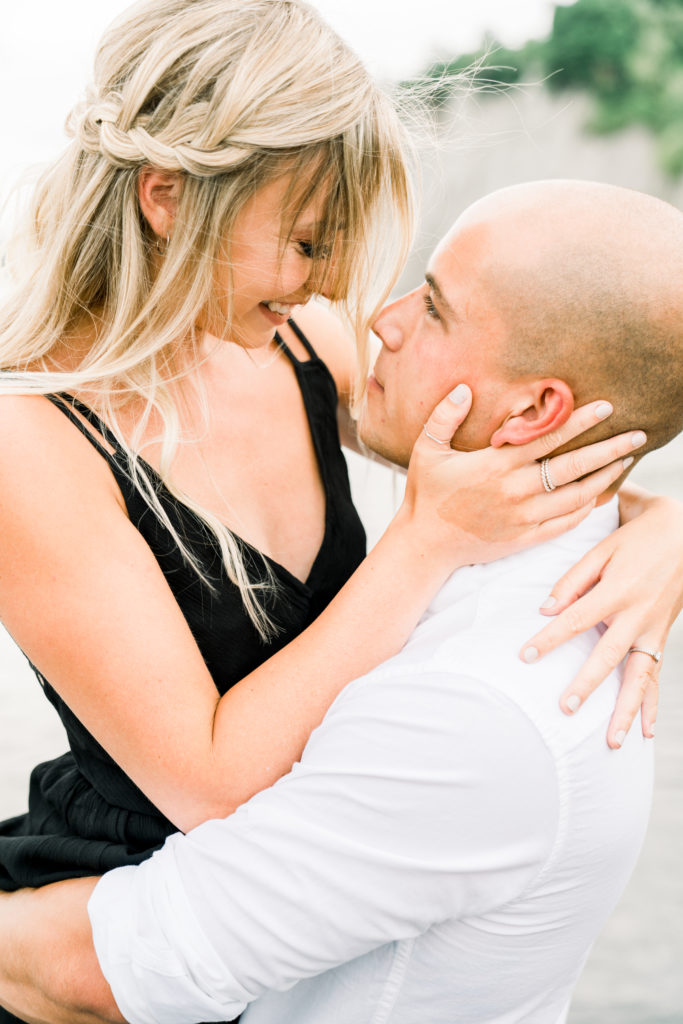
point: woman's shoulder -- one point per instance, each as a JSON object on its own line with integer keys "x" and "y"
{"x": 42, "y": 452}
{"x": 332, "y": 343}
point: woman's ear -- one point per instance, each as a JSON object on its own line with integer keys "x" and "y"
{"x": 158, "y": 194}
{"x": 541, "y": 406}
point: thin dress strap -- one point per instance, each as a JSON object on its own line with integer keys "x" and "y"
{"x": 67, "y": 404}
{"x": 302, "y": 338}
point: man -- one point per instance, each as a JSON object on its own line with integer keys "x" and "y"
{"x": 450, "y": 844}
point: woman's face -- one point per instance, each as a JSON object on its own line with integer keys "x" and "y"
{"x": 267, "y": 280}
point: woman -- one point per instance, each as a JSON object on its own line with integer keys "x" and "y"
{"x": 176, "y": 518}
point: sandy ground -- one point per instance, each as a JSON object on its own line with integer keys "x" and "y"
{"x": 634, "y": 975}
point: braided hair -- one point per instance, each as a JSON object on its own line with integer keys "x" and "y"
{"x": 229, "y": 95}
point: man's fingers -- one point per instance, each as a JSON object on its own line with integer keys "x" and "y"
{"x": 448, "y": 416}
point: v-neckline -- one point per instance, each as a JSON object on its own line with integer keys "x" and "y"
{"x": 300, "y": 366}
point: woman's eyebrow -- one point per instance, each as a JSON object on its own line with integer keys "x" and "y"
{"x": 314, "y": 225}
{"x": 441, "y": 298}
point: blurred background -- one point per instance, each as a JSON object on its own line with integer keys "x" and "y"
{"x": 588, "y": 89}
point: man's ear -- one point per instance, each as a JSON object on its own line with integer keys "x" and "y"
{"x": 540, "y": 407}
{"x": 158, "y": 194}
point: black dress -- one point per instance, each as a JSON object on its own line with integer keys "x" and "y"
{"x": 85, "y": 815}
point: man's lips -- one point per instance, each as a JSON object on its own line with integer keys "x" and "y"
{"x": 374, "y": 383}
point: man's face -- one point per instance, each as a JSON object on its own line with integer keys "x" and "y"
{"x": 445, "y": 333}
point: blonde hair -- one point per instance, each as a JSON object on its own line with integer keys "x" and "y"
{"x": 229, "y": 94}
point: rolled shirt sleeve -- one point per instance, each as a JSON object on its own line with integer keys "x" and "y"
{"x": 411, "y": 805}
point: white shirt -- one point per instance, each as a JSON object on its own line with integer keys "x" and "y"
{"x": 445, "y": 852}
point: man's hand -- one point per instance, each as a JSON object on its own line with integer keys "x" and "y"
{"x": 49, "y": 973}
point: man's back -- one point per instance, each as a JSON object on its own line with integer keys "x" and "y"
{"x": 446, "y": 851}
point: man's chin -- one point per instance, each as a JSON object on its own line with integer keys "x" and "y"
{"x": 381, "y": 447}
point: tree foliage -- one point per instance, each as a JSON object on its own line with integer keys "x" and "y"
{"x": 627, "y": 54}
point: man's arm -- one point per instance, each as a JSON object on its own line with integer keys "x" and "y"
{"x": 411, "y": 805}
{"x": 48, "y": 967}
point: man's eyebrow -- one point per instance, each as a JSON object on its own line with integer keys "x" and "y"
{"x": 441, "y": 298}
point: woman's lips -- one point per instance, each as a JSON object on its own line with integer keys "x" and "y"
{"x": 277, "y": 319}
{"x": 374, "y": 383}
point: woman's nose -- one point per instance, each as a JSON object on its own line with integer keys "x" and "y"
{"x": 324, "y": 278}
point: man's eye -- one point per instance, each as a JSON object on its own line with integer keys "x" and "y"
{"x": 432, "y": 311}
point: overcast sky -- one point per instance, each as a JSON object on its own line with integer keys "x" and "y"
{"x": 46, "y": 49}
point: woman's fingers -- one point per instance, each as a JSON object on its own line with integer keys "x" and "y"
{"x": 580, "y": 420}
{"x": 648, "y": 711}
{"x": 639, "y": 692}
{"x": 608, "y": 653}
{"x": 641, "y": 675}
{"x": 574, "y": 465}
{"x": 581, "y": 615}
{"x": 574, "y": 584}
{"x": 555, "y": 527}
{"x": 610, "y": 650}
{"x": 448, "y": 416}
{"x": 582, "y": 493}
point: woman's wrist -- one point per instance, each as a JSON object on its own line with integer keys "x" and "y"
{"x": 428, "y": 557}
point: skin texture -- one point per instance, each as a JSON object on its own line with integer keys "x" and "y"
{"x": 541, "y": 297}
{"x": 512, "y": 308}
{"x": 255, "y": 268}
{"x": 425, "y": 353}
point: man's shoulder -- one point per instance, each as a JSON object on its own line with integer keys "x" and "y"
{"x": 447, "y": 674}
{"x": 421, "y": 712}
{"x": 481, "y": 620}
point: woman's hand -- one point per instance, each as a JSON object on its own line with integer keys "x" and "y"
{"x": 482, "y": 505}
{"x": 632, "y": 581}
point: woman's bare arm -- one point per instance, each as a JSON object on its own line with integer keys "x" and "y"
{"x": 84, "y": 597}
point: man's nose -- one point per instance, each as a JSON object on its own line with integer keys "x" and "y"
{"x": 388, "y": 326}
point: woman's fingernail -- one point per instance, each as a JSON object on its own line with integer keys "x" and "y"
{"x": 638, "y": 438}
{"x": 620, "y": 737}
{"x": 549, "y": 602}
{"x": 574, "y": 702}
{"x": 653, "y": 729}
{"x": 628, "y": 462}
{"x": 603, "y": 410}
{"x": 460, "y": 394}
{"x": 530, "y": 654}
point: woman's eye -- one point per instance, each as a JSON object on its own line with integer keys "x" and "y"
{"x": 314, "y": 252}
{"x": 432, "y": 311}
{"x": 306, "y": 249}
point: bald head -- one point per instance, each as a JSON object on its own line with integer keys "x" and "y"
{"x": 587, "y": 280}
{"x": 541, "y": 297}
